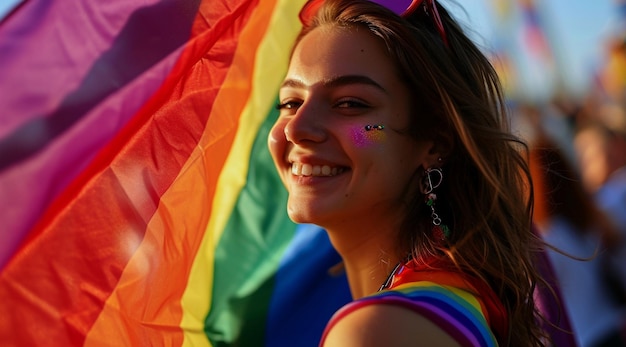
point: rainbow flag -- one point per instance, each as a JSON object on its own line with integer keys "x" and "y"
{"x": 138, "y": 200}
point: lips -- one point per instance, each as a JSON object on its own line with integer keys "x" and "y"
{"x": 311, "y": 170}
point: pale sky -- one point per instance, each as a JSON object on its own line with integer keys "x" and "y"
{"x": 578, "y": 29}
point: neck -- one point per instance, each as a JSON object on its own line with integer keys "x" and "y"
{"x": 368, "y": 256}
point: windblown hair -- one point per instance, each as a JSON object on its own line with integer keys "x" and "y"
{"x": 486, "y": 196}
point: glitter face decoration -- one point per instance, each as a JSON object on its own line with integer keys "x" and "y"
{"x": 368, "y": 135}
{"x": 374, "y": 127}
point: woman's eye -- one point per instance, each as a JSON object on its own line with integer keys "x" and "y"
{"x": 288, "y": 105}
{"x": 292, "y": 106}
{"x": 351, "y": 104}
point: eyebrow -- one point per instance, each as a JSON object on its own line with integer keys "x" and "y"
{"x": 337, "y": 81}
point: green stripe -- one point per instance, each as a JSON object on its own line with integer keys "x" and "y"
{"x": 249, "y": 252}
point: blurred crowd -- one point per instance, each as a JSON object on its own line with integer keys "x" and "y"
{"x": 578, "y": 163}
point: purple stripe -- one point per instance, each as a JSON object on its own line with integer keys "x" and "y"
{"x": 47, "y": 49}
{"x": 74, "y": 73}
{"x": 147, "y": 37}
{"x": 447, "y": 317}
{"x": 465, "y": 315}
{"x": 447, "y": 322}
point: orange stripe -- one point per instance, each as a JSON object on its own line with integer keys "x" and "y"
{"x": 145, "y": 308}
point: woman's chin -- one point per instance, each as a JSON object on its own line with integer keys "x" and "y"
{"x": 300, "y": 214}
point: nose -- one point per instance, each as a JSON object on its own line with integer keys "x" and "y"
{"x": 306, "y": 125}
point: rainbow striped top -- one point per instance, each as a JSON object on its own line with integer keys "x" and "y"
{"x": 467, "y": 309}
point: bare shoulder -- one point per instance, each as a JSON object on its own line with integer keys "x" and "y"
{"x": 386, "y": 325}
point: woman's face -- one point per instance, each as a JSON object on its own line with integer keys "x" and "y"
{"x": 336, "y": 171}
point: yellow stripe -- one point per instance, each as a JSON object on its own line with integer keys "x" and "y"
{"x": 269, "y": 69}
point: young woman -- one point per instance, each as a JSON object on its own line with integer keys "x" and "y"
{"x": 393, "y": 136}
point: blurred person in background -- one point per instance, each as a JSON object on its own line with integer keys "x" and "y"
{"x": 601, "y": 148}
{"x": 570, "y": 220}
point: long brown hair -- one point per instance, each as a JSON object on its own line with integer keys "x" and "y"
{"x": 486, "y": 194}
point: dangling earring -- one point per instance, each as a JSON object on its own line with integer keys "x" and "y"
{"x": 431, "y": 181}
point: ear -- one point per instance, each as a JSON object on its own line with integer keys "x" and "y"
{"x": 438, "y": 150}
{"x": 432, "y": 157}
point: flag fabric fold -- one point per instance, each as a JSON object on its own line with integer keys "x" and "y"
{"x": 140, "y": 203}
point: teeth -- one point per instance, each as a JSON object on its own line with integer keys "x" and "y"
{"x": 300, "y": 169}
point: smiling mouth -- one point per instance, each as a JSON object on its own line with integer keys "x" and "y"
{"x": 308, "y": 170}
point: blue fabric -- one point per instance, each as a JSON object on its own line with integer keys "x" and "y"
{"x": 306, "y": 295}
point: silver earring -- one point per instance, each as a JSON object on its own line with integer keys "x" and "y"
{"x": 431, "y": 181}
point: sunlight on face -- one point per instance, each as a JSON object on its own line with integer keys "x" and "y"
{"x": 339, "y": 143}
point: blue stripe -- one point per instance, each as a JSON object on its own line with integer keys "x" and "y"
{"x": 305, "y": 294}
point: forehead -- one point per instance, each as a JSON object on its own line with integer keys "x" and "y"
{"x": 331, "y": 51}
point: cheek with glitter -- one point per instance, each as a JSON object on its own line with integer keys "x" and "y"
{"x": 363, "y": 138}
